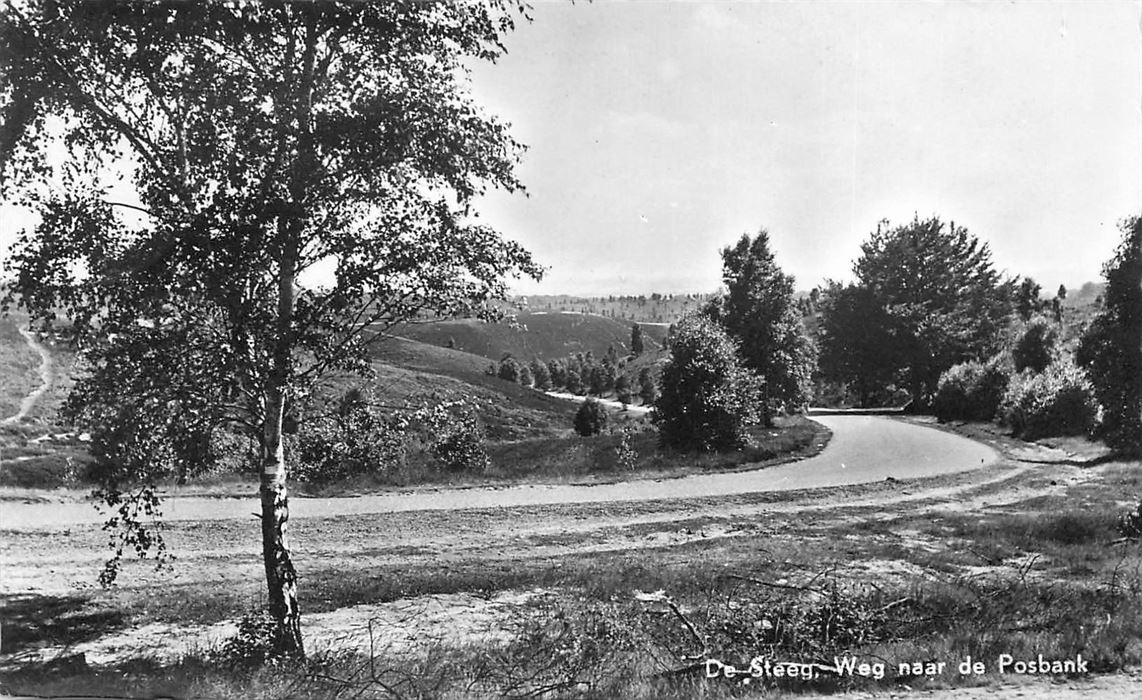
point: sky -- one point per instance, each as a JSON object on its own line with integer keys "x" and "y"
{"x": 660, "y": 132}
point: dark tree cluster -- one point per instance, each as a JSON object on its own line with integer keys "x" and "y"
{"x": 926, "y": 297}
{"x": 1111, "y": 347}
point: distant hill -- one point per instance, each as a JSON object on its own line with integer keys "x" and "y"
{"x": 652, "y": 308}
{"x": 547, "y": 335}
{"x": 1084, "y": 295}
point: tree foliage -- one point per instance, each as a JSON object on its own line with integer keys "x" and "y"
{"x": 591, "y": 418}
{"x": 637, "y": 344}
{"x": 857, "y": 340}
{"x": 759, "y": 312}
{"x": 1111, "y": 347}
{"x": 1035, "y": 345}
{"x": 263, "y": 141}
{"x": 708, "y": 399}
{"x": 944, "y": 302}
{"x": 1027, "y": 301}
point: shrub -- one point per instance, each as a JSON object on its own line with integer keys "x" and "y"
{"x": 591, "y": 418}
{"x": 509, "y": 369}
{"x": 625, "y": 455}
{"x": 253, "y": 645}
{"x": 457, "y": 436}
{"x": 970, "y": 391}
{"x": 1057, "y": 401}
{"x": 707, "y": 398}
{"x": 352, "y": 441}
{"x": 1035, "y": 347}
{"x": 1129, "y": 524}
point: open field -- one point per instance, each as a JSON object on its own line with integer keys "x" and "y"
{"x": 1018, "y": 557}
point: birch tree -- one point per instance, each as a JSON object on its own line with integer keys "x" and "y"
{"x": 264, "y": 141}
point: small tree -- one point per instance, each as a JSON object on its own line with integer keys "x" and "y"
{"x": 574, "y": 384}
{"x": 647, "y": 388}
{"x": 708, "y": 399}
{"x": 622, "y": 389}
{"x": 758, "y": 311}
{"x": 636, "y": 343}
{"x": 525, "y": 376}
{"x": 541, "y": 375}
{"x": 509, "y": 369}
{"x": 1110, "y": 349}
{"x": 591, "y": 418}
{"x": 557, "y": 369}
{"x": 1027, "y": 302}
{"x": 1034, "y": 348}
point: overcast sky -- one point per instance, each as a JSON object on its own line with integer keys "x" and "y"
{"x": 660, "y": 132}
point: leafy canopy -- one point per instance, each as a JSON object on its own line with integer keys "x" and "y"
{"x": 944, "y": 300}
{"x": 1111, "y": 347}
{"x": 758, "y": 311}
{"x": 265, "y": 143}
{"x": 708, "y": 399}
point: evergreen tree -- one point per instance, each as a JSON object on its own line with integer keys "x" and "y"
{"x": 647, "y": 388}
{"x": 636, "y": 343}
{"x": 541, "y": 375}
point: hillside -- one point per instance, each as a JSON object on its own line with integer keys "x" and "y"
{"x": 408, "y": 368}
{"x": 537, "y": 334}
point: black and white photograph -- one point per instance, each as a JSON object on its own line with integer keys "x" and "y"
{"x": 657, "y": 349}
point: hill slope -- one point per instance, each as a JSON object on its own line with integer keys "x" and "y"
{"x": 544, "y": 335}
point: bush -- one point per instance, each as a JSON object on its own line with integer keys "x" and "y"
{"x": 707, "y": 400}
{"x": 1129, "y": 524}
{"x": 253, "y": 645}
{"x": 351, "y": 442}
{"x": 970, "y": 391}
{"x": 1058, "y": 401}
{"x": 1035, "y": 347}
{"x": 591, "y": 418}
{"x": 457, "y": 436}
{"x": 509, "y": 369}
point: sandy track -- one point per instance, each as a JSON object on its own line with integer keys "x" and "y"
{"x": 45, "y": 371}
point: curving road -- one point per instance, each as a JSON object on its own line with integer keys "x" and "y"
{"x": 863, "y": 449}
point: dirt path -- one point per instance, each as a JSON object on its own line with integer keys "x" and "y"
{"x": 45, "y": 370}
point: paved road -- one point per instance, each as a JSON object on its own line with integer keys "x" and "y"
{"x": 863, "y": 449}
